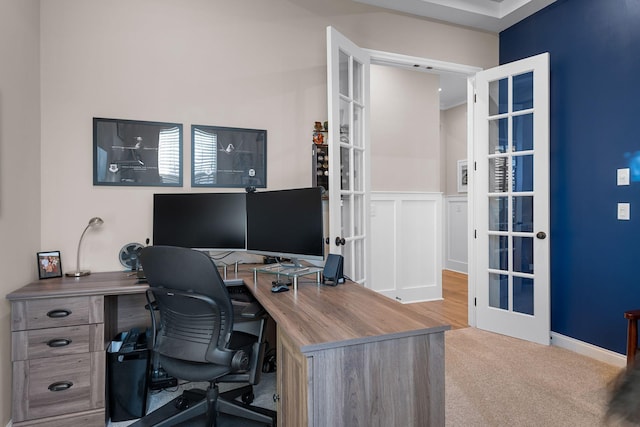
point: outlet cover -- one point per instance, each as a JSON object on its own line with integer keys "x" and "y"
{"x": 624, "y": 211}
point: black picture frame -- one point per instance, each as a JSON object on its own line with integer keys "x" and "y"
{"x": 49, "y": 264}
{"x": 228, "y": 157}
{"x": 137, "y": 153}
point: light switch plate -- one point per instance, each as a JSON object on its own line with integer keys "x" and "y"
{"x": 624, "y": 211}
{"x": 623, "y": 176}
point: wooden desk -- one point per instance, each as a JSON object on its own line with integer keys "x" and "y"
{"x": 347, "y": 356}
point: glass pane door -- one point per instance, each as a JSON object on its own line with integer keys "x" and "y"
{"x": 348, "y": 87}
{"x": 511, "y": 189}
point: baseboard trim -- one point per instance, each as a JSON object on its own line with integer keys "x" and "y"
{"x": 589, "y": 350}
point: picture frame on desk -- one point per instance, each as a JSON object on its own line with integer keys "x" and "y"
{"x": 49, "y": 264}
{"x": 137, "y": 153}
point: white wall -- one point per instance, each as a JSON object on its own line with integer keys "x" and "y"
{"x": 456, "y": 252}
{"x": 405, "y": 131}
{"x": 245, "y": 63}
{"x": 453, "y": 126}
{"x": 406, "y": 245}
{"x": 19, "y": 165}
{"x": 454, "y": 134}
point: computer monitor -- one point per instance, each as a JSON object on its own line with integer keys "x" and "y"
{"x": 286, "y": 223}
{"x": 206, "y": 221}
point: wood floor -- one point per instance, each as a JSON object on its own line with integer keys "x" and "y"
{"x": 453, "y": 308}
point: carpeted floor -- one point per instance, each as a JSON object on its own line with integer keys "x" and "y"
{"x": 494, "y": 380}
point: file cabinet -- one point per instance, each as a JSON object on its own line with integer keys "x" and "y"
{"x": 58, "y": 357}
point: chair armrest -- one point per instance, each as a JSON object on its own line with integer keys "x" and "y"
{"x": 237, "y": 360}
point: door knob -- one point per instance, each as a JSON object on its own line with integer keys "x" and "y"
{"x": 340, "y": 241}
{"x": 541, "y": 235}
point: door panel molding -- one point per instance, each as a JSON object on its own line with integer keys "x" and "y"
{"x": 407, "y": 240}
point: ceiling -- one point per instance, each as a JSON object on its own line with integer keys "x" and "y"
{"x": 487, "y": 15}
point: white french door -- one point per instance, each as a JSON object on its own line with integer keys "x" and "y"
{"x": 510, "y": 183}
{"x": 348, "y": 100}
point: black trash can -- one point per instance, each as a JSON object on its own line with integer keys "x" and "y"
{"x": 128, "y": 370}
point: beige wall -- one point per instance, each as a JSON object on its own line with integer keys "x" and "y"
{"x": 19, "y": 165}
{"x": 245, "y": 63}
{"x": 454, "y": 135}
{"x": 405, "y": 131}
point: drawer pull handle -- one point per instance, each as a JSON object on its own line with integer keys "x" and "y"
{"x": 60, "y": 386}
{"x": 54, "y": 314}
{"x": 59, "y": 342}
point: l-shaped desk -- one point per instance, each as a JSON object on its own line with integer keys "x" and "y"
{"x": 346, "y": 355}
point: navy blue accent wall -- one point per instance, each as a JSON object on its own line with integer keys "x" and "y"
{"x": 594, "y": 48}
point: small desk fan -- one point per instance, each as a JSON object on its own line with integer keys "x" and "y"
{"x": 129, "y": 255}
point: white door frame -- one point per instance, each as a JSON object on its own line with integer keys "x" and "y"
{"x": 438, "y": 67}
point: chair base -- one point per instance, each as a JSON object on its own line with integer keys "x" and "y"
{"x": 192, "y": 405}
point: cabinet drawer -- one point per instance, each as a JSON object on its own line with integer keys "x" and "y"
{"x": 56, "y": 312}
{"x": 39, "y": 343}
{"x": 58, "y": 385}
{"x": 85, "y": 419}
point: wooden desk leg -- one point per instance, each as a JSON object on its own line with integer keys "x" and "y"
{"x": 632, "y": 335}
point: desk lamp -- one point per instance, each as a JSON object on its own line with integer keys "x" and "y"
{"x": 78, "y": 273}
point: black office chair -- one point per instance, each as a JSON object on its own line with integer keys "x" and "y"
{"x": 197, "y": 340}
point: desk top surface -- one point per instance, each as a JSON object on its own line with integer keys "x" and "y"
{"x": 315, "y": 317}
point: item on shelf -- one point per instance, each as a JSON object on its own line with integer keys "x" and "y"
{"x": 317, "y": 126}
{"x": 320, "y": 156}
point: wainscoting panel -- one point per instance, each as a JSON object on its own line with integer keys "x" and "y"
{"x": 456, "y": 255}
{"x": 406, "y": 245}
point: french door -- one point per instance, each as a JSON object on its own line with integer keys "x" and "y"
{"x": 348, "y": 101}
{"x": 510, "y": 180}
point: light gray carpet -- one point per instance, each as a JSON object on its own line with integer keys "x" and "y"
{"x": 494, "y": 380}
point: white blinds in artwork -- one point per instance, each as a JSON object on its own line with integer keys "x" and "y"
{"x": 169, "y": 155}
{"x": 205, "y": 165}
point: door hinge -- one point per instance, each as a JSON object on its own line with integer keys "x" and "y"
{"x": 475, "y": 234}
{"x": 475, "y": 98}
{"x": 475, "y": 166}
{"x": 475, "y": 302}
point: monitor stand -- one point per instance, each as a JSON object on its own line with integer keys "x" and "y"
{"x": 288, "y": 272}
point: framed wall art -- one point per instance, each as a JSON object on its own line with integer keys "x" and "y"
{"x": 49, "y": 264}
{"x": 228, "y": 157}
{"x": 137, "y": 153}
{"x": 463, "y": 179}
